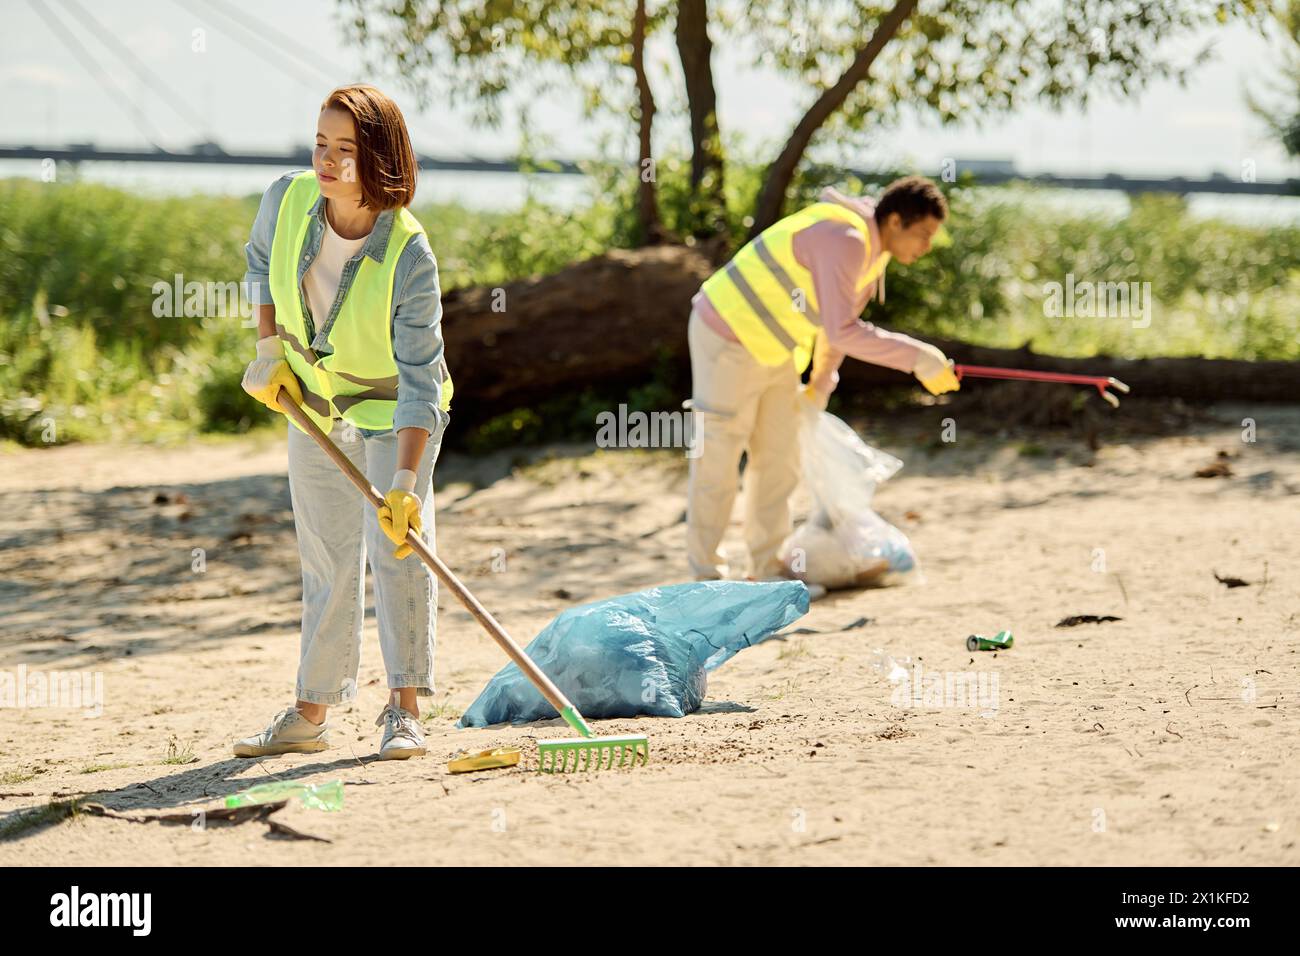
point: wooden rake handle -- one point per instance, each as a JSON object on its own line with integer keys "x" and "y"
{"x": 481, "y": 614}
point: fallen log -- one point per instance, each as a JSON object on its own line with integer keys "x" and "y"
{"x": 602, "y": 322}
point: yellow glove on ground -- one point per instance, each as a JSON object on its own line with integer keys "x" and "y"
{"x": 269, "y": 373}
{"x": 400, "y": 511}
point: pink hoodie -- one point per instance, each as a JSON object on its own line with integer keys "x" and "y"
{"x": 837, "y": 256}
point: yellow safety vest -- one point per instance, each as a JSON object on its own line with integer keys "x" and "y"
{"x": 767, "y": 297}
{"x": 357, "y": 380}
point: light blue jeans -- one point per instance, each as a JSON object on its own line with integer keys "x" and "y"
{"x": 337, "y": 528}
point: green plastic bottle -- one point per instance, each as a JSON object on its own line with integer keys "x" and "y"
{"x": 319, "y": 796}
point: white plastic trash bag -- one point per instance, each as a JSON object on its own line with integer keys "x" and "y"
{"x": 844, "y": 543}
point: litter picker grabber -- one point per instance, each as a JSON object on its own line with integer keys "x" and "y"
{"x": 1099, "y": 382}
{"x": 588, "y": 752}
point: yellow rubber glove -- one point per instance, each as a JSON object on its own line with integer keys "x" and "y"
{"x": 269, "y": 373}
{"x": 945, "y": 381}
{"x": 400, "y": 511}
{"x": 934, "y": 371}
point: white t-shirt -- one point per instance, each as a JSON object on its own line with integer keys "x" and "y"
{"x": 321, "y": 283}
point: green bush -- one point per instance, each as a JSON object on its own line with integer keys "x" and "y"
{"x": 223, "y": 406}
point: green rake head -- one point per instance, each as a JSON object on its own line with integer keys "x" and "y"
{"x": 592, "y": 753}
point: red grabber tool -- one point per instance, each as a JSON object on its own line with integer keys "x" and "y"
{"x": 1100, "y": 382}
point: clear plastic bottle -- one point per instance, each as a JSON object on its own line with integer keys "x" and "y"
{"x": 889, "y": 668}
{"x": 319, "y": 796}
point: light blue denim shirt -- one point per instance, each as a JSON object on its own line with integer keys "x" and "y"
{"x": 416, "y": 321}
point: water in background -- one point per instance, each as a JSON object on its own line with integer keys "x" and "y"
{"x": 504, "y": 191}
{"x": 489, "y": 191}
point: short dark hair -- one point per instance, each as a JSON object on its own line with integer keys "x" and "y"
{"x": 913, "y": 198}
{"x": 386, "y": 160}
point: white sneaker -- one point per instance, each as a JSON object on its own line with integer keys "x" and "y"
{"x": 289, "y": 733}
{"x": 403, "y": 736}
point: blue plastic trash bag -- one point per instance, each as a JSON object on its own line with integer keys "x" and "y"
{"x": 642, "y": 653}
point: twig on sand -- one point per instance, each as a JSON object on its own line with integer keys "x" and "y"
{"x": 232, "y": 815}
{"x": 1169, "y": 729}
{"x": 221, "y": 814}
{"x": 820, "y": 842}
{"x": 1229, "y": 581}
{"x": 851, "y": 626}
{"x": 1074, "y": 620}
{"x": 360, "y": 763}
{"x": 1187, "y": 692}
{"x": 1263, "y": 584}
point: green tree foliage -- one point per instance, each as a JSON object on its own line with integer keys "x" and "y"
{"x": 949, "y": 60}
{"x": 473, "y": 51}
{"x": 1280, "y": 107}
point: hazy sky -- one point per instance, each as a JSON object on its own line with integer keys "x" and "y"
{"x": 233, "y": 94}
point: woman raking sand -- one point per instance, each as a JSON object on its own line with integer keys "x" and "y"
{"x": 349, "y": 318}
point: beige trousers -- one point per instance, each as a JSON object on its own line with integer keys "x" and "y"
{"x": 741, "y": 406}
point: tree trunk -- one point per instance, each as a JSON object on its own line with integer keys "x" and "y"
{"x": 647, "y": 200}
{"x": 771, "y": 201}
{"x": 608, "y": 322}
{"x": 695, "y": 49}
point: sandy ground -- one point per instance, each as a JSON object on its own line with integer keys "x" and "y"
{"x": 1168, "y": 737}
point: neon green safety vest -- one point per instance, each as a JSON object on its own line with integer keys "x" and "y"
{"x": 358, "y": 379}
{"x": 767, "y": 297}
